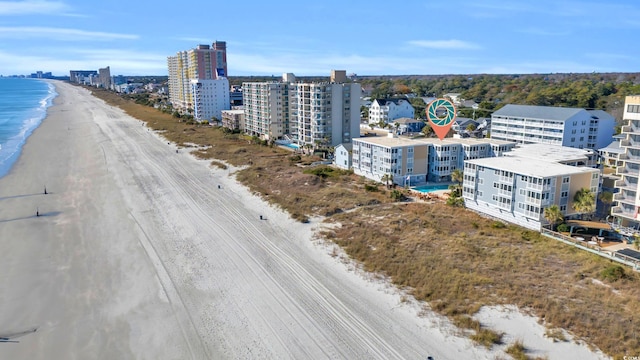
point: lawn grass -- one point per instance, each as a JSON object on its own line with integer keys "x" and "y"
{"x": 451, "y": 258}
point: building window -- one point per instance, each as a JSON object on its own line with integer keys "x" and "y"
{"x": 563, "y": 207}
{"x": 633, "y": 108}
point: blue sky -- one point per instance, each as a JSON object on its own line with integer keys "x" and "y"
{"x": 372, "y": 37}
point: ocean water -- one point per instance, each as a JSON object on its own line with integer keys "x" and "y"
{"x": 23, "y": 106}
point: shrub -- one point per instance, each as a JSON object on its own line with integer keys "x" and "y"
{"x": 397, "y": 195}
{"x": 295, "y": 158}
{"x": 613, "y": 273}
{"x": 487, "y": 337}
{"x": 370, "y": 188}
{"x": 517, "y": 350}
{"x": 563, "y": 227}
{"x": 498, "y": 225}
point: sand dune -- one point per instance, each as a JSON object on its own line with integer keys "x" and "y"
{"x": 140, "y": 255}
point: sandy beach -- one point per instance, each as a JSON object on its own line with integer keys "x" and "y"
{"x": 138, "y": 254}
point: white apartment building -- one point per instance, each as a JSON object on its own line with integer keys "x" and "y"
{"x": 517, "y": 189}
{"x": 199, "y": 64}
{"x": 324, "y": 113}
{"x": 387, "y": 110}
{"x": 628, "y": 201}
{"x": 420, "y": 160}
{"x": 210, "y": 97}
{"x": 266, "y": 109}
{"x": 572, "y": 127}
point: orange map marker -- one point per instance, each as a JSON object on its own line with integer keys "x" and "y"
{"x": 441, "y": 113}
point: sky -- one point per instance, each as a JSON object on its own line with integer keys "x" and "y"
{"x": 310, "y": 38}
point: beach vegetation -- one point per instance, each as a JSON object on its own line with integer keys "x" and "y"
{"x": 517, "y": 350}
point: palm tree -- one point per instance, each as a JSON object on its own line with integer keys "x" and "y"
{"x": 427, "y": 130}
{"x": 584, "y": 201}
{"x": 606, "y": 197}
{"x": 386, "y": 178}
{"x": 553, "y": 215}
{"x": 457, "y": 175}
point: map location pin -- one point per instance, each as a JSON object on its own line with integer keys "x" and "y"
{"x": 441, "y": 113}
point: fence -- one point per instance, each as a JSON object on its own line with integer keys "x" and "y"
{"x": 595, "y": 249}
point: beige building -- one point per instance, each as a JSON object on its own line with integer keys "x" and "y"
{"x": 233, "y": 119}
{"x": 404, "y": 159}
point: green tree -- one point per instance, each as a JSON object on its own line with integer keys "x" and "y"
{"x": 387, "y": 178}
{"x": 553, "y": 215}
{"x": 471, "y": 127}
{"x": 457, "y": 176}
{"x": 584, "y": 201}
{"x": 606, "y": 197}
{"x": 427, "y": 130}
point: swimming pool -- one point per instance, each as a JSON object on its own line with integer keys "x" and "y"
{"x": 431, "y": 188}
{"x": 292, "y": 146}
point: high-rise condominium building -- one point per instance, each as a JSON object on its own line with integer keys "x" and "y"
{"x": 572, "y": 127}
{"x": 306, "y": 113}
{"x": 207, "y": 66}
{"x": 104, "y": 76}
{"x": 324, "y": 113}
{"x": 628, "y": 202}
{"x": 266, "y": 109}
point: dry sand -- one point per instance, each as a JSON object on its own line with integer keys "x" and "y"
{"x": 139, "y": 255}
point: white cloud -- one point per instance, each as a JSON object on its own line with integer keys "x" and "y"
{"x": 60, "y": 60}
{"x": 32, "y": 7}
{"x": 62, "y": 34}
{"x": 444, "y": 44}
{"x": 195, "y": 40}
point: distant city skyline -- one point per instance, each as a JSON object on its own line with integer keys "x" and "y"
{"x": 311, "y": 38}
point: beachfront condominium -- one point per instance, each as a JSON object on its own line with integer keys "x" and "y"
{"x": 572, "y": 127}
{"x": 324, "y": 113}
{"x": 104, "y": 77}
{"x": 315, "y": 114}
{"x": 266, "y": 109}
{"x": 520, "y": 185}
{"x": 412, "y": 162}
{"x": 384, "y": 111}
{"x": 628, "y": 201}
{"x": 198, "y": 78}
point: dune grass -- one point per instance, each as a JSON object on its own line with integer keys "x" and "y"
{"x": 451, "y": 258}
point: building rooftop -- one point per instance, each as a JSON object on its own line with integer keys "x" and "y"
{"x": 234, "y": 111}
{"x": 405, "y": 120}
{"x": 538, "y": 112}
{"x": 396, "y": 141}
{"x": 388, "y": 141}
{"x": 554, "y": 153}
{"x": 530, "y": 167}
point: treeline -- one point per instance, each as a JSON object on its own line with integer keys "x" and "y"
{"x": 605, "y": 91}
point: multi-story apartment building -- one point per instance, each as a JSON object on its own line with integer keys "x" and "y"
{"x": 210, "y": 97}
{"x": 324, "y": 113}
{"x": 520, "y": 185}
{"x": 628, "y": 201}
{"x": 266, "y": 109}
{"x": 518, "y": 189}
{"x": 304, "y": 113}
{"x": 404, "y": 159}
{"x": 201, "y": 63}
{"x": 441, "y": 158}
{"x": 572, "y": 127}
{"x": 610, "y": 155}
{"x": 387, "y": 110}
{"x": 104, "y": 76}
{"x": 233, "y": 119}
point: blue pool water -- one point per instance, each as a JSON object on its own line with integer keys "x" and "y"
{"x": 292, "y": 146}
{"x": 430, "y": 188}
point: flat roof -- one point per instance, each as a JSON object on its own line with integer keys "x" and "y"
{"x": 530, "y": 166}
{"x": 555, "y": 153}
{"x": 387, "y": 141}
{"x": 589, "y": 224}
{"x": 400, "y": 141}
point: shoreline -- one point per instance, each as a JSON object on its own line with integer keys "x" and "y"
{"x": 140, "y": 255}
